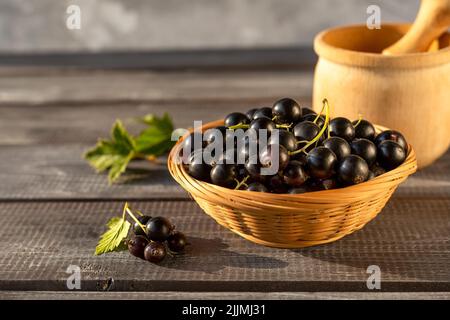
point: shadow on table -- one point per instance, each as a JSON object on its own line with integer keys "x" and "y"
{"x": 398, "y": 260}
{"x": 211, "y": 255}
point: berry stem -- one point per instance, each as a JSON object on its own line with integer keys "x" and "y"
{"x": 359, "y": 120}
{"x": 286, "y": 126}
{"x": 319, "y": 114}
{"x": 134, "y": 218}
{"x": 241, "y": 183}
{"x": 239, "y": 126}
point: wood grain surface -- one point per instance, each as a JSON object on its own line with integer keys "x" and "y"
{"x": 53, "y": 207}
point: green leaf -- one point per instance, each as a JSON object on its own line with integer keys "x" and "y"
{"x": 156, "y": 139}
{"x": 115, "y": 154}
{"x": 113, "y": 239}
{"x": 163, "y": 123}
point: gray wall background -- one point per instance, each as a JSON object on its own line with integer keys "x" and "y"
{"x": 39, "y": 25}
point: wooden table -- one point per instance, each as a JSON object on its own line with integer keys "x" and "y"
{"x": 53, "y": 207}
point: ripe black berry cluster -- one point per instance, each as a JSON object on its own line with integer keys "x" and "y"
{"x": 312, "y": 151}
{"x": 154, "y": 238}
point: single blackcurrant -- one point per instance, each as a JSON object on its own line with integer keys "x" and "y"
{"x": 366, "y": 149}
{"x": 155, "y": 252}
{"x": 176, "y": 241}
{"x": 390, "y": 154}
{"x": 158, "y": 228}
{"x": 394, "y": 136}
{"x": 215, "y": 134}
{"x": 263, "y": 123}
{"x": 312, "y": 117}
{"x": 197, "y": 167}
{"x": 306, "y": 111}
{"x": 353, "y": 170}
{"x": 285, "y": 138}
{"x": 265, "y": 112}
{"x": 294, "y": 174}
{"x": 321, "y": 162}
{"x": 224, "y": 175}
{"x": 274, "y": 155}
{"x": 136, "y": 246}
{"x": 339, "y": 146}
{"x": 235, "y": 118}
{"x": 364, "y": 129}
{"x": 286, "y": 110}
{"x": 250, "y": 113}
{"x": 342, "y": 127}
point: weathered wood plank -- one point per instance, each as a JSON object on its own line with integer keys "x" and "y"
{"x": 59, "y": 172}
{"x": 179, "y": 295}
{"x": 105, "y": 87}
{"x": 409, "y": 241}
{"x": 262, "y": 59}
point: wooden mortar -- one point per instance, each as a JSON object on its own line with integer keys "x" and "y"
{"x": 408, "y": 92}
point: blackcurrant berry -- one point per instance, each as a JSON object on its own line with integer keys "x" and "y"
{"x": 364, "y": 129}
{"x": 276, "y": 184}
{"x": 394, "y": 136}
{"x": 158, "y": 228}
{"x": 285, "y": 138}
{"x": 342, "y": 127}
{"x": 193, "y": 142}
{"x": 269, "y": 157}
{"x": 137, "y": 228}
{"x": 224, "y": 175}
{"x": 366, "y": 149}
{"x": 176, "y": 241}
{"x": 306, "y": 111}
{"x": 294, "y": 174}
{"x": 246, "y": 149}
{"x": 235, "y": 118}
{"x": 339, "y": 146}
{"x": 263, "y": 123}
{"x": 286, "y": 110}
{"x": 257, "y": 187}
{"x": 265, "y": 112}
{"x": 253, "y": 169}
{"x": 136, "y": 246}
{"x": 377, "y": 170}
{"x": 353, "y": 170}
{"x": 312, "y": 117}
{"x": 321, "y": 162}
{"x": 250, "y": 113}
{"x": 390, "y": 154}
{"x": 215, "y": 134}
{"x": 155, "y": 252}
{"x": 198, "y": 168}
{"x": 229, "y": 156}
{"x": 306, "y": 130}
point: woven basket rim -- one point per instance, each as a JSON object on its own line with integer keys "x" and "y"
{"x": 408, "y": 167}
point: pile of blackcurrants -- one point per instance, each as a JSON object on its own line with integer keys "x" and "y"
{"x": 154, "y": 238}
{"x": 312, "y": 151}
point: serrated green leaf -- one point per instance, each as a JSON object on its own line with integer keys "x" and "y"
{"x": 114, "y": 154}
{"x": 119, "y": 167}
{"x": 163, "y": 123}
{"x": 156, "y": 139}
{"x": 113, "y": 238}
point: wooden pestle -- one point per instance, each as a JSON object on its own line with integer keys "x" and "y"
{"x": 432, "y": 20}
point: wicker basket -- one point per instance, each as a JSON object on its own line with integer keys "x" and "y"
{"x": 298, "y": 220}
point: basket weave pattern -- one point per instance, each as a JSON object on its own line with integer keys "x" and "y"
{"x": 293, "y": 221}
